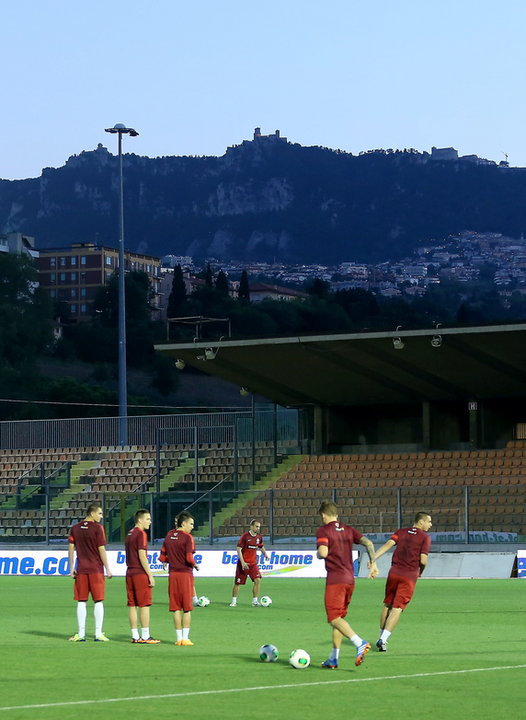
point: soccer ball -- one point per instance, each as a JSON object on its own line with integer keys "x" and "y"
{"x": 268, "y": 653}
{"x": 265, "y": 601}
{"x": 299, "y": 659}
{"x": 203, "y": 601}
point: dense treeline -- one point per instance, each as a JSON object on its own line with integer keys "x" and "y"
{"x": 28, "y": 320}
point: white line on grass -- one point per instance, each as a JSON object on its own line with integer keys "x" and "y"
{"x": 225, "y": 691}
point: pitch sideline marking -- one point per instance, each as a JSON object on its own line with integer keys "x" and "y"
{"x": 226, "y": 691}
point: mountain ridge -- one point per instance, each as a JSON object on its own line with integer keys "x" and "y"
{"x": 268, "y": 200}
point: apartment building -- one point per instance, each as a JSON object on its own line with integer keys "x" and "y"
{"x": 74, "y": 274}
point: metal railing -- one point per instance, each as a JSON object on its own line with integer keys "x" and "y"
{"x": 463, "y": 515}
{"x": 268, "y": 423}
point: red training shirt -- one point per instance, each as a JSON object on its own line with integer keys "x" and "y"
{"x": 250, "y": 544}
{"x": 177, "y": 550}
{"x": 410, "y": 543}
{"x": 339, "y": 538}
{"x": 88, "y": 536}
{"x": 136, "y": 540}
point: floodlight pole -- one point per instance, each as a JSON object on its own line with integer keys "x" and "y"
{"x": 121, "y": 130}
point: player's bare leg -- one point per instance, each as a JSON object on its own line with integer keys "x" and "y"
{"x": 255, "y": 591}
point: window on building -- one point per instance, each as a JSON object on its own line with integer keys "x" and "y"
{"x": 62, "y": 277}
{"x": 73, "y": 292}
{"x": 109, "y": 260}
{"x": 62, "y": 262}
{"x": 82, "y": 259}
{"x": 83, "y": 292}
{"x": 83, "y": 308}
{"x": 53, "y": 278}
{"x": 74, "y": 277}
{"x": 53, "y": 293}
{"x": 52, "y": 262}
{"x": 73, "y": 308}
{"x": 83, "y": 277}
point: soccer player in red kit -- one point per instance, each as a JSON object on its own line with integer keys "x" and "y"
{"x": 334, "y": 542}
{"x": 178, "y": 552}
{"x": 139, "y": 579}
{"x": 247, "y": 565}
{"x": 88, "y": 540}
{"x": 408, "y": 563}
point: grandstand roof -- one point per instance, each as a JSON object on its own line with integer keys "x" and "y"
{"x": 366, "y": 368}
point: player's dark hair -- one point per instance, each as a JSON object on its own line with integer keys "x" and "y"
{"x": 183, "y": 517}
{"x": 328, "y": 508}
{"x": 253, "y": 522}
{"x": 421, "y": 515}
{"x": 92, "y": 507}
{"x": 138, "y": 515}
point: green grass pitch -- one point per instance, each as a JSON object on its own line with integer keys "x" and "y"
{"x": 458, "y": 652}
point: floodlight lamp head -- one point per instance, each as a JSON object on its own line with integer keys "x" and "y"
{"x": 398, "y": 343}
{"x": 210, "y": 354}
{"x": 180, "y": 364}
{"x": 122, "y": 129}
{"x": 436, "y": 341}
{"x": 244, "y": 392}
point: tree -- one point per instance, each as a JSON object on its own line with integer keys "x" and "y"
{"x": 25, "y": 311}
{"x": 177, "y": 297}
{"x": 319, "y": 288}
{"x": 222, "y": 286}
{"x": 243, "y": 292}
{"x": 209, "y": 276}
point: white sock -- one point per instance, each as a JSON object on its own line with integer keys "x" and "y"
{"x": 195, "y": 599}
{"x": 356, "y": 640}
{"x": 186, "y": 633}
{"x": 98, "y": 614}
{"x": 335, "y": 654}
{"x": 254, "y": 600}
{"x": 135, "y": 633}
{"x": 386, "y": 634}
{"x": 234, "y": 601}
{"x": 81, "y": 618}
{"x": 179, "y": 635}
{"x": 145, "y": 633}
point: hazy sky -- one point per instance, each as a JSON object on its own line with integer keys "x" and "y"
{"x": 196, "y": 76}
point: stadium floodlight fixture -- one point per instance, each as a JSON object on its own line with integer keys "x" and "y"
{"x": 120, "y": 129}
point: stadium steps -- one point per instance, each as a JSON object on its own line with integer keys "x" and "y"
{"x": 176, "y": 475}
{"x": 11, "y": 504}
{"x": 77, "y": 484}
{"x": 265, "y": 482}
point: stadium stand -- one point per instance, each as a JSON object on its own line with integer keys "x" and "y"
{"x": 366, "y": 488}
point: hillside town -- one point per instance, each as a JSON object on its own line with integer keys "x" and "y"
{"x": 466, "y": 257}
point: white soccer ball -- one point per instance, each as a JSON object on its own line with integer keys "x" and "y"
{"x": 268, "y": 653}
{"x": 265, "y": 601}
{"x": 203, "y": 601}
{"x": 299, "y": 659}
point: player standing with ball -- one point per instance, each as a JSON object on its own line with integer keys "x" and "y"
{"x": 247, "y": 565}
{"x": 334, "y": 542}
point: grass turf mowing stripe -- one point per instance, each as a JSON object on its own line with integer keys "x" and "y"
{"x": 258, "y": 687}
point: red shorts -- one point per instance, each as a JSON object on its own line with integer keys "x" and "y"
{"x": 398, "y": 590}
{"x": 241, "y": 575}
{"x": 337, "y": 599}
{"x": 139, "y": 591}
{"x": 86, "y": 584}
{"x": 181, "y": 591}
